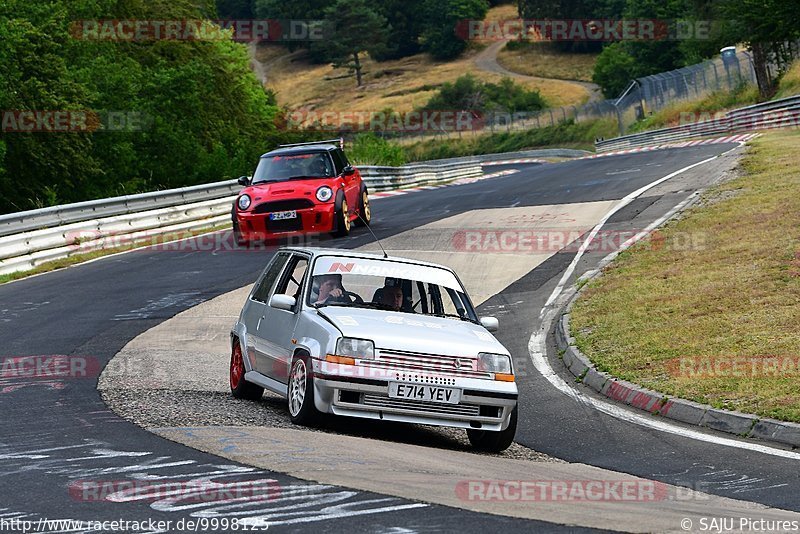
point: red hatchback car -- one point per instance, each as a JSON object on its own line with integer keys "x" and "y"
{"x": 299, "y": 189}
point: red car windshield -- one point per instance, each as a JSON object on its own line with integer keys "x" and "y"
{"x": 293, "y": 167}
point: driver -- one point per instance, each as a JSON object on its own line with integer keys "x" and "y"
{"x": 330, "y": 288}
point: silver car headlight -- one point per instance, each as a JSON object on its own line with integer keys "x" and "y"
{"x": 244, "y": 202}
{"x": 324, "y": 193}
{"x": 363, "y": 349}
{"x": 494, "y": 363}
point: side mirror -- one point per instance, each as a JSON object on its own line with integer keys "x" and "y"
{"x": 490, "y": 323}
{"x": 349, "y": 171}
{"x": 244, "y": 181}
{"x": 283, "y": 302}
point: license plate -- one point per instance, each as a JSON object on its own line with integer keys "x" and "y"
{"x": 280, "y": 215}
{"x": 422, "y": 392}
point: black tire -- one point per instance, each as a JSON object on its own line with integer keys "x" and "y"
{"x": 364, "y": 210}
{"x": 237, "y": 234}
{"x": 300, "y": 394}
{"x": 342, "y": 220}
{"x": 241, "y": 388}
{"x": 488, "y": 441}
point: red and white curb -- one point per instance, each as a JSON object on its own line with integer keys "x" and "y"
{"x": 460, "y": 181}
{"x": 514, "y": 161}
{"x": 741, "y": 138}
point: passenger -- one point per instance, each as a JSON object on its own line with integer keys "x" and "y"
{"x": 392, "y": 296}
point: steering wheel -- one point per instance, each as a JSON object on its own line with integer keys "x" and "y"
{"x": 355, "y": 297}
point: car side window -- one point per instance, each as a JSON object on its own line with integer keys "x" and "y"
{"x": 264, "y": 285}
{"x": 292, "y": 279}
{"x": 339, "y": 161}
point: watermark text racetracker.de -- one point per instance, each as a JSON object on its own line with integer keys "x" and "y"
{"x": 185, "y": 491}
{"x": 630, "y": 490}
{"x": 243, "y": 30}
{"x": 600, "y": 30}
{"x": 384, "y": 121}
{"x": 49, "y": 367}
{"x": 721, "y": 366}
{"x": 73, "y": 121}
{"x": 551, "y": 240}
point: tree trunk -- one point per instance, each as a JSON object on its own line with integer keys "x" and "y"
{"x": 357, "y": 68}
{"x": 760, "y": 66}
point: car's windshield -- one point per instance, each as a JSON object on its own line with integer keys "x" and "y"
{"x": 293, "y": 166}
{"x": 389, "y": 286}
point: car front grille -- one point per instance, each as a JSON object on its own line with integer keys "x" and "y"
{"x": 466, "y": 410}
{"x": 412, "y": 361}
{"x": 285, "y": 225}
{"x": 283, "y": 205}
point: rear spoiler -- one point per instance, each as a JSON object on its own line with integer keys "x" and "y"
{"x": 340, "y": 141}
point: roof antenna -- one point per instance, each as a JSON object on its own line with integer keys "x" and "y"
{"x": 385, "y": 255}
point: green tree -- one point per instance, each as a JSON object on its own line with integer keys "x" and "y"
{"x": 405, "y": 28}
{"x": 614, "y": 70}
{"x": 764, "y": 25}
{"x": 356, "y": 28}
{"x": 207, "y": 116}
{"x": 442, "y": 18}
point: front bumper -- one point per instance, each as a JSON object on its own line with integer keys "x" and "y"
{"x": 484, "y": 404}
{"x": 257, "y": 226}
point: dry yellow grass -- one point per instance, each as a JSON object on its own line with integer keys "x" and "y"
{"x": 539, "y": 59}
{"x": 401, "y": 85}
{"x": 501, "y": 13}
{"x": 717, "y": 322}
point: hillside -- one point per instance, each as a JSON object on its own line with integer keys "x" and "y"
{"x": 400, "y": 84}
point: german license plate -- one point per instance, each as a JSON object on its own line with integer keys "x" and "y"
{"x": 422, "y": 392}
{"x": 281, "y": 215}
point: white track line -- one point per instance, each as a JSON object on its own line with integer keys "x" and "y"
{"x": 622, "y": 203}
{"x": 537, "y": 346}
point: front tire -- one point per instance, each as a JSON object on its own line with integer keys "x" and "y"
{"x": 237, "y": 235}
{"x": 301, "y": 393}
{"x": 363, "y": 209}
{"x": 488, "y": 441}
{"x": 241, "y": 388}
{"x": 342, "y": 220}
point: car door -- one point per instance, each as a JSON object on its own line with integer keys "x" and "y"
{"x": 256, "y": 311}
{"x": 277, "y": 330}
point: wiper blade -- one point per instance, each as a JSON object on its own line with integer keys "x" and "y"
{"x": 332, "y": 303}
{"x": 454, "y": 315}
{"x": 301, "y": 177}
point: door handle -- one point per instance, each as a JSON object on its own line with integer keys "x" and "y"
{"x": 258, "y": 325}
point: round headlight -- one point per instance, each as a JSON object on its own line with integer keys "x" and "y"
{"x": 244, "y": 202}
{"x": 324, "y": 193}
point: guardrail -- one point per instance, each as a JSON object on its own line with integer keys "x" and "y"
{"x": 775, "y": 114}
{"x": 30, "y": 238}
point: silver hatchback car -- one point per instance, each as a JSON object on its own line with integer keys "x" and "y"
{"x": 363, "y": 335}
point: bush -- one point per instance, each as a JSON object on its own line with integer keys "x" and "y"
{"x": 469, "y": 94}
{"x": 369, "y": 149}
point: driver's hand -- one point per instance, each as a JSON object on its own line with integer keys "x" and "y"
{"x": 335, "y": 293}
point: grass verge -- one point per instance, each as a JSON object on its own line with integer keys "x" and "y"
{"x": 711, "y": 314}
{"x": 565, "y": 135}
{"x": 790, "y": 81}
{"x": 699, "y": 110}
{"x": 546, "y": 61}
{"x": 75, "y": 259}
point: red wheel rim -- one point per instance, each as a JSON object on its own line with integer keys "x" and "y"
{"x": 237, "y": 366}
